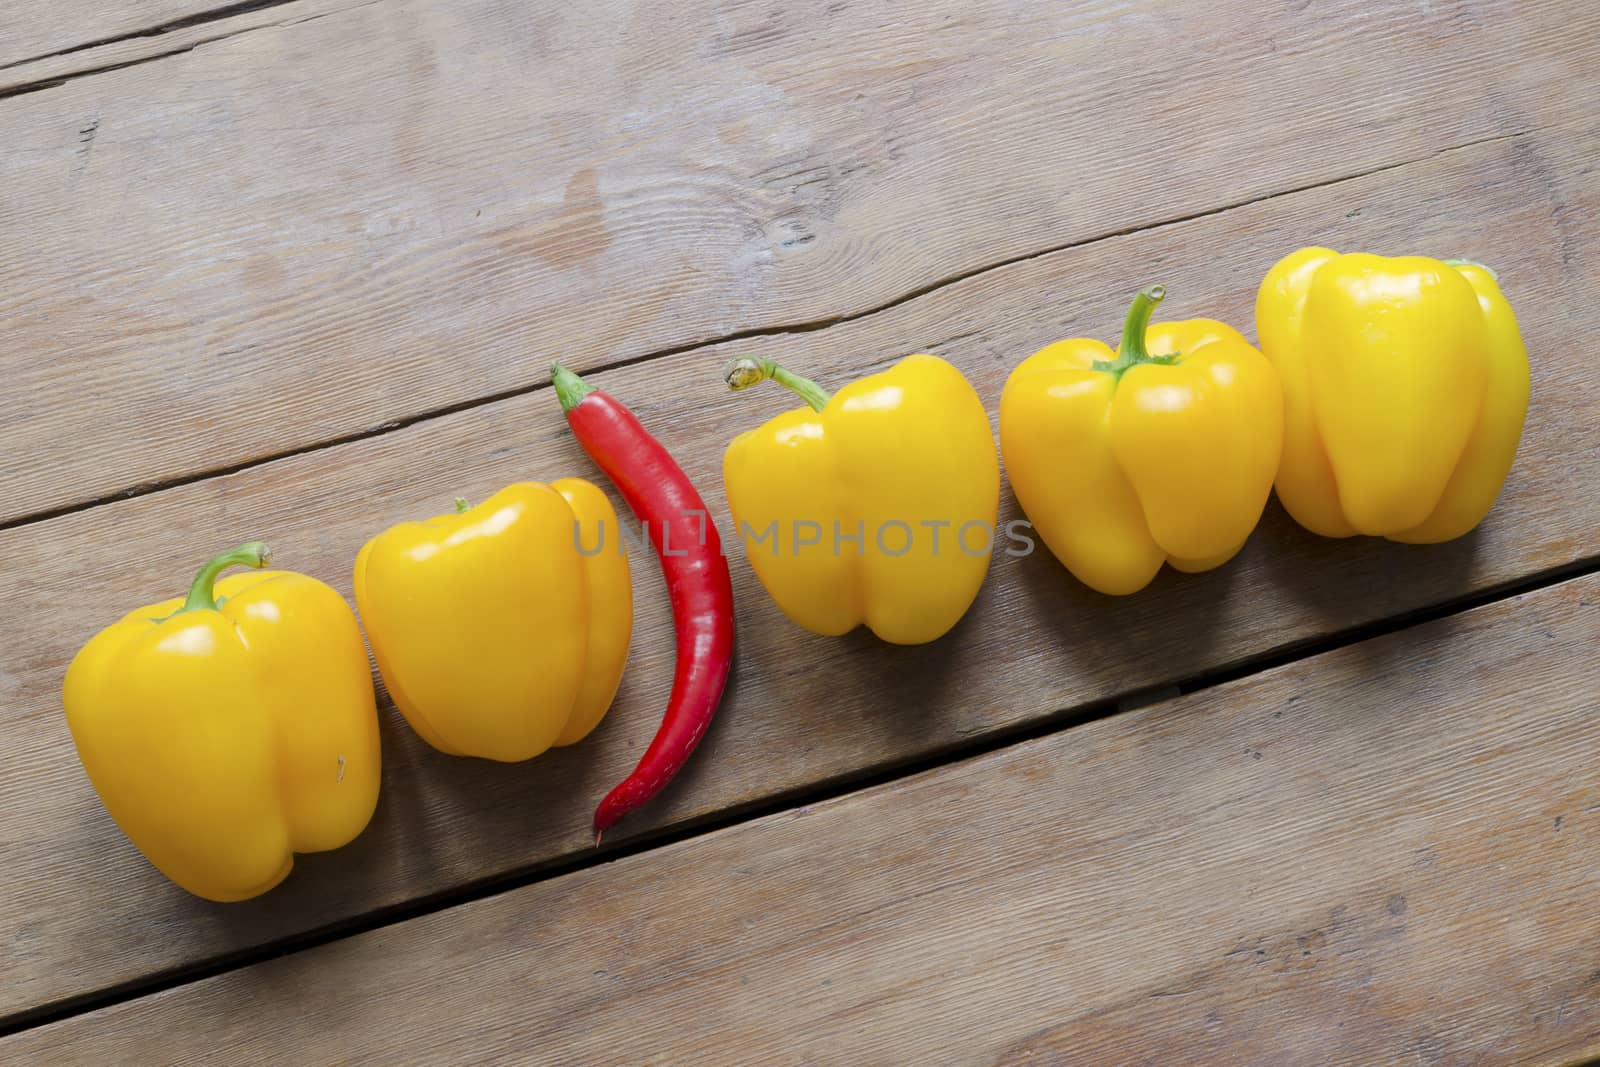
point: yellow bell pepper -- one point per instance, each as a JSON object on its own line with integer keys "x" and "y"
{"x": 503, "y": 629}
{"x": 1405, "y": 384}
{"x": 875, "y": 506}
{"x": 1162, "y": 452}
{"x": 228, "y": 731}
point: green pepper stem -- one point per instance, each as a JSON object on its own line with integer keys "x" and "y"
{"x": 1132, "y": 351}
{"x": 570, "y": 389}
{"x": 1134, "y": 326}
{"x": 746, "y": 371}
{"x": 202, "y": 591}
{"x": 462, "y": 507}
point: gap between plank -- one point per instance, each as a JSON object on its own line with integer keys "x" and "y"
{"x": 778, "y": 803}
{"x": 791, "y": 329}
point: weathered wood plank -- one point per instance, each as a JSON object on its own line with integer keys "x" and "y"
{"x": 137, "y": 34}
{"x": 29, "y": 31}
{"x": 1385, "y": 854}
{"x": 292, "y": 235}
{"x": 79, "y": 909}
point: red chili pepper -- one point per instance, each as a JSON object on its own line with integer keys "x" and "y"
{"x": 665, "y": 501}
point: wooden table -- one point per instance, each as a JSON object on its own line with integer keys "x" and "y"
{"x": 295, "y": 269}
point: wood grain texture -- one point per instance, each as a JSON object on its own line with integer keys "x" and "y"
{"x": 185, "y": 26}
{"x": 30, "y": 31}
{"x": 1385, "y": 855}
{"x": 80, "y": 910}
{"x": 297, "y": 234}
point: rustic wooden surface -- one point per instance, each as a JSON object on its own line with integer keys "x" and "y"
{"x": 366, "y": 241}
{"x": 142, "y": 34}
{"x": 28, "y": 34}
{"x": 1035, "y": 644}
{"x": 1385, "y": 854}
{"x": 408, "y": 205}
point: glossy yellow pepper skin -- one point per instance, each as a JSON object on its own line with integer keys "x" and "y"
{"x": 1405, "y": 385}
{"x": 502, "y": 630}
{"x": 896, "y": 478}
{"x": 1163, "y": 452}
{"x": 228, "y": 731}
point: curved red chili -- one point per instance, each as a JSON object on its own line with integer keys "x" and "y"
{"x": 680, "y": 528}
